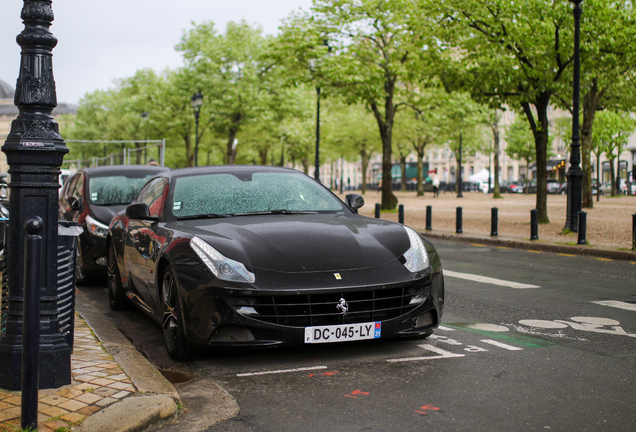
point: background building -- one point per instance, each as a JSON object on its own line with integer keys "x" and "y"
{"x": 8, "y": 112}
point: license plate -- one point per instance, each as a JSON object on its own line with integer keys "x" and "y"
{"x": 343, "y": 332}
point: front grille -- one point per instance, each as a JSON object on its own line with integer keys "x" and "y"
{"x": 320, "y": 309}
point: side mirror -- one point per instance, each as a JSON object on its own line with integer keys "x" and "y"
{"x": 139, "y": 211}
{"x": 73, "y": 203}
{"x": 354, "y": 201}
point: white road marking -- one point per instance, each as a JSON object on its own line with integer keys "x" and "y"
{"x": 617, "y": 304}
{"x": 489, "y": 327}
{"x": 543, "y": 324}
{"x": 281, "y": 371}
{"x": 488, "y": 280}
{"x": 442, "y": 354}
{"x": 501, "y": 345}
{"x": 444, "y": 328}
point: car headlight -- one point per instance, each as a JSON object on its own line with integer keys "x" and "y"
{"x": 222, "y": 267}
{"x": 416, "y": 256}
{"x": 96, "y": 228}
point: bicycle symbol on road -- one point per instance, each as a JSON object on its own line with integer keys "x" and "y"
{"x": 590, "y": 324}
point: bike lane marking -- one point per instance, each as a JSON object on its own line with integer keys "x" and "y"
{"x": 617, "y": 304}
{"x": 501, "y": 345}
{"x": 489, "y": 280}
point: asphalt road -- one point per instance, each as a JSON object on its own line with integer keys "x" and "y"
{"x": 529, "y": 341}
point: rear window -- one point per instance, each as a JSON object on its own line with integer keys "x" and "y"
{"x": 115, "y": 189}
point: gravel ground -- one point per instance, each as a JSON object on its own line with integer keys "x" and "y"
{"x": 609, "y": 223}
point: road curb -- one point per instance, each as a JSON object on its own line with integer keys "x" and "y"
{"x": 157, "y": 400}
{"x": 534, "y": 245}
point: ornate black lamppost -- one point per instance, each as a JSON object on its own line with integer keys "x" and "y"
{"x": 575, "y": 173}
{"x": 35, "y": 151}
{"x": 197, "y": 101}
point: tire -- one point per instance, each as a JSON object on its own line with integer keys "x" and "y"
{"x": 116, "y": 296}
{"x": 172, "y": 320}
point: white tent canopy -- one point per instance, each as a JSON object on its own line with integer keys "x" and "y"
{"x": 481, "y": 176}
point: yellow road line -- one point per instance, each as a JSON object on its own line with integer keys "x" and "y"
{"x": 568, "y": 255}
{"x": 476, "y": 244}
{"x": 504, "y": 247}
{"x": 533, "y": 251}
{"x": 604, "y": 259}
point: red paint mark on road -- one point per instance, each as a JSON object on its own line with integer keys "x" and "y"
{"x": 330, "y": 373}
{"x": 310, "y": 375}
{"x": 356, "y": 392}
{"x": 426, "y": 407}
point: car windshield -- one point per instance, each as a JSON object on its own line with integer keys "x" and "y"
{"x": 223, "y": 194}
{"x": 115, "y": 189}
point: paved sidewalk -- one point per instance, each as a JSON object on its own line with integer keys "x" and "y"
{"x": 113, "y": 388}
{"x": 609, "y": 223}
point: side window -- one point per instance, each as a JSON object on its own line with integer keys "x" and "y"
{"x": 153, "y": 195}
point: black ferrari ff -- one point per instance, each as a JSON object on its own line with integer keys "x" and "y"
{"x": 230, "y": 256}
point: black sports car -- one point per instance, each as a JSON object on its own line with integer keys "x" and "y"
{"x": 231, "y": 256}
{"x": 91, "y": 198}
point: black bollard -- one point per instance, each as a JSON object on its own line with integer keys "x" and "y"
{"x": 582, "y": 227}
{"x": 401, "y": 213}
{"x": 534, "y": 224}
{"x": 31, "y": 323}
{"x": 377, "y": 211}
{"x": 494, "y": 221}
{"x": 634, "y": 232}
{"x": 458, "y": 221}
{"x": 429, "y": 218}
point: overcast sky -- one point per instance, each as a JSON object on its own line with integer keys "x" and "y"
{"x": 102, "y": 40}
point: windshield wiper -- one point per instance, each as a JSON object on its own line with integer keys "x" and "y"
{"x": 204, "y": 216}
{"x": 277, "y": 211}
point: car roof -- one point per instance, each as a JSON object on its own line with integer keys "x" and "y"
{"x": 230, "y": 169}
{"x": 123, "y": 169}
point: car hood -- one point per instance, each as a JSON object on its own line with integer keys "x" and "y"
{"x": 303, "y": 243}
{"x": 104, "y": 214}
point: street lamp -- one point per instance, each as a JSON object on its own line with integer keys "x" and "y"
{"x": 312, "y": 66}
{"x": 575, "y": 174}
{"x": 197, "y": 101}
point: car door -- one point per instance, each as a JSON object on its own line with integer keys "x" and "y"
{"x": 142, "y": 242}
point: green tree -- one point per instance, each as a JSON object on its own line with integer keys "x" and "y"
{"x": 613, "y": 132}
{"x": 373, "y": 45}
{"x": 508, "y": 53}
{"x": 229, "y": 69}
{"x": 608, "y": 60}
{"x": 520, "y": 143}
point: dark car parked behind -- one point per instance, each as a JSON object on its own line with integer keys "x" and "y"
{"x": 91, "y": 198}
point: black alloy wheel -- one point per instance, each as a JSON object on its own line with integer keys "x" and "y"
{"x": 172, "y": 321}
{"x": 116, "y": 296}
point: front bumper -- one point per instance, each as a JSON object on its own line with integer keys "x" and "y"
{"x": 244, "y": 318}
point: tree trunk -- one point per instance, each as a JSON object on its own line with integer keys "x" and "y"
{"x": 540, "y": 132}
{"x": 590, "y": 106}
{"x": 365, "y": 158}
{"x": 420, "y": 171}
{"x": 612, "y": 176}
{"x": 385, "y": 124}
{"x": 495, "y": 132}
{"x": 262, "y": 153}
{"x": 403, "y": 172}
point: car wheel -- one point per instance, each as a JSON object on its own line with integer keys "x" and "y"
{"x": 172, "y": 321}
{"x": 116, "y": 297}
